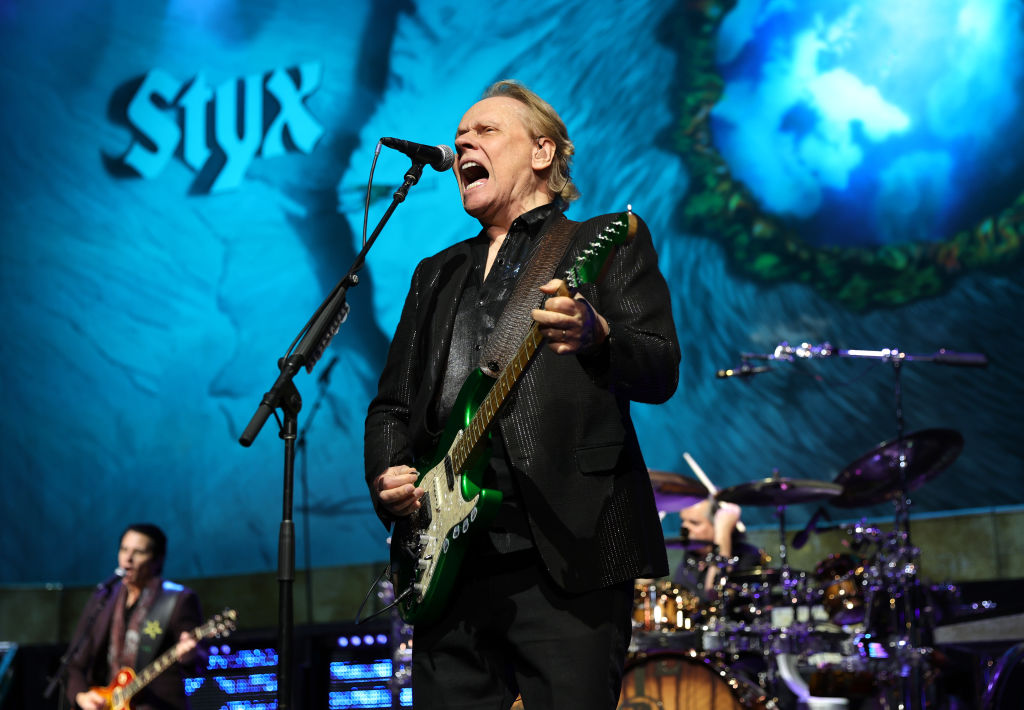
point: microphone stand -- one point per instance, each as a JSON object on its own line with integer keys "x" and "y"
{"x": 283, "y": 395}
{"x": 324, "y": 381}
{"x": 61, "y": 672}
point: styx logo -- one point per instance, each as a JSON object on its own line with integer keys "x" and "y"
{"x": 220, "y": 130}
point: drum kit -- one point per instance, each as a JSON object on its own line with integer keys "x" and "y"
{"x": 852, "y": 633}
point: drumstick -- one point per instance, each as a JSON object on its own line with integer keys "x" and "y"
{"x": 708, "y": 484}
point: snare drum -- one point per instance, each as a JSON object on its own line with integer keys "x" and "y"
{"x": 767, "y": 596}
{"x": 674, "y": 681}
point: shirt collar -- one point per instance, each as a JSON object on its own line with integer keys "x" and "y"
{"x": 532, "y": 221}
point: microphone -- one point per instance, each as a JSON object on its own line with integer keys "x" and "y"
{"x": 743, "y": 371}
{"x": 439, "y": 157}
{"x": 800, "y": 539}
{"x": 325, "y": 376}
{"x": 111, "y": 580}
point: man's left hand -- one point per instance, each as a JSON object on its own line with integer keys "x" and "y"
{"x": 569, "y": 323}
{"x": 186, "y": 642}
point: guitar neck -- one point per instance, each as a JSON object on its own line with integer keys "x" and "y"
{"x": 162, "y": 663}
{"x": 489, "y": 407}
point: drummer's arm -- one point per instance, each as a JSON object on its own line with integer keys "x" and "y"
{"x": 726, "y": 518}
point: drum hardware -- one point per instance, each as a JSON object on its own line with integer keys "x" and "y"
{"x": 889, "y": 473}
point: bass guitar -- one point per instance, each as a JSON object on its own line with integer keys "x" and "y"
{"x": 127, "y": 683}
{"x": 427, "y": 547}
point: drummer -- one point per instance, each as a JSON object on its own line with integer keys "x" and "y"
{"x": 713, "y": 523}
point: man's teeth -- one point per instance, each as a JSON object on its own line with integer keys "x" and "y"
{"x": 479, "y": 181}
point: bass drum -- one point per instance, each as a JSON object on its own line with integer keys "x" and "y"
{"x": 690, "y": 681}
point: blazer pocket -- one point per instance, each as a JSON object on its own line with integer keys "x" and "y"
{"x": 598, "y": 460}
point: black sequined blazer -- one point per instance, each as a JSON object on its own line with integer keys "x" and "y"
{"x": 567, "y": 426}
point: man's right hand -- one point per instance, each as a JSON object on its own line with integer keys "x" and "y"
{"x": 90, "y": 700}
{"x": 397, "y": 492}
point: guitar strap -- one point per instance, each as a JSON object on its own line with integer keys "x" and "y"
{"x": 154, "y": 626}
{"x": 515, "y": 320}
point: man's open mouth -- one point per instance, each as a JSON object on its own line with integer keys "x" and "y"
{"x": 473, "y": 174}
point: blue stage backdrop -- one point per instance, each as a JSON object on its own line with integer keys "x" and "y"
{"x": 183, "y": 183}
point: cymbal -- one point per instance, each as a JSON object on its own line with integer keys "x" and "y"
{"x": 674, "y": 492}
{"x": 779, "y": 491}
{"x": 686, "y": 543}
{"x": 758, "y": 574}
{"x": 875, "y": 477}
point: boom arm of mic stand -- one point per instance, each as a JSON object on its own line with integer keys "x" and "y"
{"x": 315, "y": 341}
{"x": 807, "y": 351}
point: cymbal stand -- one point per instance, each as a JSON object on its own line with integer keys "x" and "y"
{"x": 789, "y": 584}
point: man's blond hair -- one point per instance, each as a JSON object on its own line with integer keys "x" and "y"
{"x": 543, "y": 120}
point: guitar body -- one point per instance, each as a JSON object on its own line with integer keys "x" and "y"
{"x": 127, "y": 683}
{"x": 113, "y": 693}
{"x": 428, "y": 546}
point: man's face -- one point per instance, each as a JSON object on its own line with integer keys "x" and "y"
{"x": 135, "y": 557}
{"x": 496, "y": 161}
{"x": 695, "y": 520}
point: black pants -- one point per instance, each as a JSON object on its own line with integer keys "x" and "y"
{"x": 508, "y": 629}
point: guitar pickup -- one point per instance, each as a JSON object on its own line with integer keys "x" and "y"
{"x": 449, "y": 472}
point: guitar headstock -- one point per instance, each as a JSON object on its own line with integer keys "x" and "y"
{"x": 218, "y": 625}
{"x": 591, "y": 261}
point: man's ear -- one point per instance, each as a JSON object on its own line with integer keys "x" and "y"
{"x": 543, "y": 153}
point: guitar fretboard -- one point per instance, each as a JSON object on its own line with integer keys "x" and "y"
{"x": 152, "y": 671}
{"x": 496, "y": 396}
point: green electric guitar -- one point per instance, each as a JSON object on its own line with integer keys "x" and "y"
{"x": 428, "y": 546}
